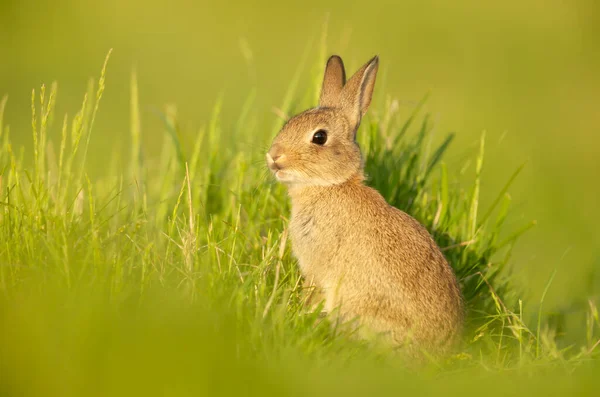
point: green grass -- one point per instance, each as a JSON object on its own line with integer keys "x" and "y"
{"x": 173, "y": 275}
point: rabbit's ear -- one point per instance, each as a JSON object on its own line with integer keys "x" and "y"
{"x": 333, "y": 82}
{"x": 356, "y": 95}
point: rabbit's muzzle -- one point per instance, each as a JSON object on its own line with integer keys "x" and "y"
{"x": 275, "y": 158}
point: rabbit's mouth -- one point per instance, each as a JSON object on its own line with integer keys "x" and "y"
{"x": 274, "y": 167}
{"x": 273, "y": 164}
{"x": 279, "y": 169}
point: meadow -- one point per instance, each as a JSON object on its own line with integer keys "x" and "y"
{"x": 143, "y": 242}
{"x": 174, "y": 276}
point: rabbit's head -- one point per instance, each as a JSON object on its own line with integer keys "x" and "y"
{"x": 318, "y": 146}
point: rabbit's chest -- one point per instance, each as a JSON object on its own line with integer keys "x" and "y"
{"x": 315, "y": 242}
{"x": 304, "y": 232}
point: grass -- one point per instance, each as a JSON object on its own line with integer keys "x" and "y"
{"x": 174, "y": 275}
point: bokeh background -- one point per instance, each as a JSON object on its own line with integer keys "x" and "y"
{"x": 525, "y": 71}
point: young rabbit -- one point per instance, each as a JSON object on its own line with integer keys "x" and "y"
{"x": 370, "y": 261}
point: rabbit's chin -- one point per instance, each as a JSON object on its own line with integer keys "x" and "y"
{"x": 290, "y": 178}
{"x": 285, "y": 176}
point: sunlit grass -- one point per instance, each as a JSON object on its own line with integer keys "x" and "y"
{"x": 175, "y": 274}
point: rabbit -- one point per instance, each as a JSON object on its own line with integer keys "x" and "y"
{"x": 369, "y": 261}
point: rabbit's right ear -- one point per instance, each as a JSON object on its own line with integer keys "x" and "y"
{"x": 356, "y": 96}
{"x": 333, "y": 82}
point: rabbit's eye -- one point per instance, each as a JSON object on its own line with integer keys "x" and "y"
{"x": 320, "y": 137}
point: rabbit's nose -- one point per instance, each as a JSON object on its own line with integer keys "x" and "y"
{"x": 273, "y": 155}
{"x": 276, "y": 156}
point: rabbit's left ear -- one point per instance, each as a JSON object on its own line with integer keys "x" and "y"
{"x": 333, "y": 82}
{"x": 356, "y": 95}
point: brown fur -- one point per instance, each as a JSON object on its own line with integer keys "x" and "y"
{"x": 369, "y": 260}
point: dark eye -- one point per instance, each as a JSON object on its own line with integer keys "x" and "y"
{"x": 320, "y": 137}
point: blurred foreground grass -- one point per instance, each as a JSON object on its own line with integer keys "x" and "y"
{"x": 173, "y": 275}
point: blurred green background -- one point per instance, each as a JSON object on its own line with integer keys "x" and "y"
{"x": 527, "y": 72}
